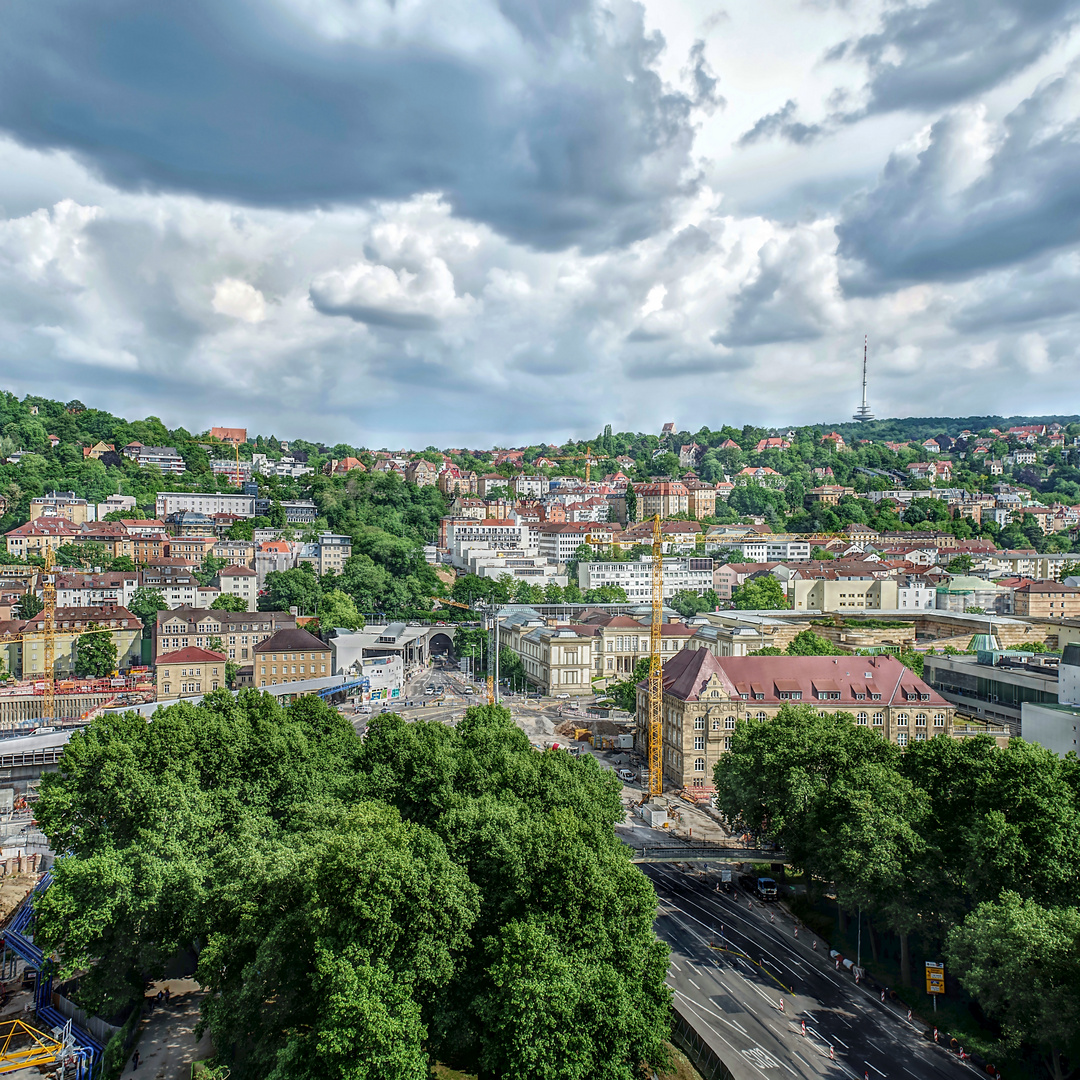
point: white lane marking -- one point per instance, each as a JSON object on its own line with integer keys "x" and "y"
{"x": 736, "y": 918}
{"x": 697, "y": 1008}
{"x": 801, "y": 1058}
{"x": 674, "y": 965}
{"x": 875, "y": 1068}
{"x": 760, "y": 1058}
{"x": 723, "y": 1019}
{"x": 909, "y": 1072}
{"x": 875, "y": 1046}
{"x": 840, "y": 1041}
{"x": 757, "y": 990}
{"x": 693, "y": 984}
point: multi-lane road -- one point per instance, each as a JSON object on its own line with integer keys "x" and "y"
{"x": 734, "y": 961}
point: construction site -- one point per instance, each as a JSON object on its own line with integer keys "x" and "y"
{"x": 42, "y": 1032}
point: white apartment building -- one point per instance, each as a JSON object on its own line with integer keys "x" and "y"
{"x": 498, "y": 534}
{"x": 240, "y": 581}
{"x": 530, "y": 487}
{"x": 915, "y": 593}
{"x": 179, "y": 589}
{"x": 95, "y": 590}
{"x": 209, "y": 503}
{"x": 771, "y": 549}
{"x": 287, "y": 466}
{"x": 560, "y": 541}
{"x": 680, "y": 573}
{"x": 328, "y": 553}
{"x": 526, "y": 564}
{"x": 115, "y": 502}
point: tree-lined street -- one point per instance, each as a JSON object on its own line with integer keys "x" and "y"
{"x": 734, "y": 960}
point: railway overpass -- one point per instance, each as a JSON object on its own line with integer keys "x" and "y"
{"x": 674, "y": 853}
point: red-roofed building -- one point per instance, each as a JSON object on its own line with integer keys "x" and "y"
{"x": 706, "y": 696}
{"x": 189, "y": 671}
{"x": 41, "y": 535}
{"x": 664, "y": 498}
{"x": 232, "y": 435}
{"x": 777, "y": 442}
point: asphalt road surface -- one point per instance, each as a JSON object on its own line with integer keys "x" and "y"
{"x": 449, "y": 704}
{"x": 734, "y": 959}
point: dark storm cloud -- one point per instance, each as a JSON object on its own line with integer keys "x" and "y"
{"x": 566, "y": 135}
{"x": 929, "y": 55}
{"x": 676, "y": 366}
{"x": 1026, "y": 297}
{"x": 921, "y": 224}
{"x": 787, "y": 300}
{"x": 783, "y": 125}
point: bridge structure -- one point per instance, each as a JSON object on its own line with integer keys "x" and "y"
{"x": 704, "y": 852}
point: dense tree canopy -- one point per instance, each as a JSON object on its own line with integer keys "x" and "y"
{"x": 95, "y": 656}
{"x": 363, "y": 907}
{"x": 763, "y": 593}
{"x": 965, "y": 842}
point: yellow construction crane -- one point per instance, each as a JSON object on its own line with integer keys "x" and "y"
{"x": 656, "y": 667}
{"x": 48, "y": 627}
{"x": 24, "y": 1047}
{"x": 48, "y": 633}
{"x": 577, "y": 457}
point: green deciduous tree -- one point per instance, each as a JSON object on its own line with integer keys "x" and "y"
{"x": 228, "y": 602}
{"x": 95, "y": 656}
{"x": 762, "y": 593}
{"x": 1022, "y": 962}
{"x": 362, "y": 908}
{"x": 146, "y": 603}
{"x": 960, "y": 564}
{"x": 625, "y": 691}
{"x": 298, "y": 588}
{"x": 338, "y": 609}
{"x": 605, "y": 594}
{"x": 29, "y": 605}
{"x": 807, "y": 643}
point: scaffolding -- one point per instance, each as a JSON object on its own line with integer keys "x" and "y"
{"x": 79, "y": 1050}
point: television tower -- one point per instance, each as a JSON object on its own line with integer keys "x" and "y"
{"x": 863, "y": 412}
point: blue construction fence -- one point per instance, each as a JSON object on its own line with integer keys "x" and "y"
{"x": 87, "y": 1052}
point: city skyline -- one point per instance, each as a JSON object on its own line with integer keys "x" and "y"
{"x": 402, "y": 225}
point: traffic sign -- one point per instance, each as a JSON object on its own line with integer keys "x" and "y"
{"x": 935, "y": 977}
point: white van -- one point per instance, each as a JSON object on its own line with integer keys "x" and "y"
{"x": 625, "y": 775}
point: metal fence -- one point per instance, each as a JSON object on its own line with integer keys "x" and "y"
{"x": 702, "y": 1056}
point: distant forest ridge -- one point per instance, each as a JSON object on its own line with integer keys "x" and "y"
{"x": 925, "y": 427}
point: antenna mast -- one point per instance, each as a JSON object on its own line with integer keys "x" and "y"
{"x": 863, "y": 412}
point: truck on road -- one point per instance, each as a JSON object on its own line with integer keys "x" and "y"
{"x": 764, "y": 888}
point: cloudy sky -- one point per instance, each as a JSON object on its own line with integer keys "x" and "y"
{"x": 473, "y": 221}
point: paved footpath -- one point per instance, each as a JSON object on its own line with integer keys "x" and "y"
{"x": 166, "y": 1043}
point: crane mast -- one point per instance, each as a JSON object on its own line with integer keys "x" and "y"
{"x": 656, "y": 667}
{"x": 48, "y": 627}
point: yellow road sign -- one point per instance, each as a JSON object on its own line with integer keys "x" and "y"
{"x": 935, "y": 977}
